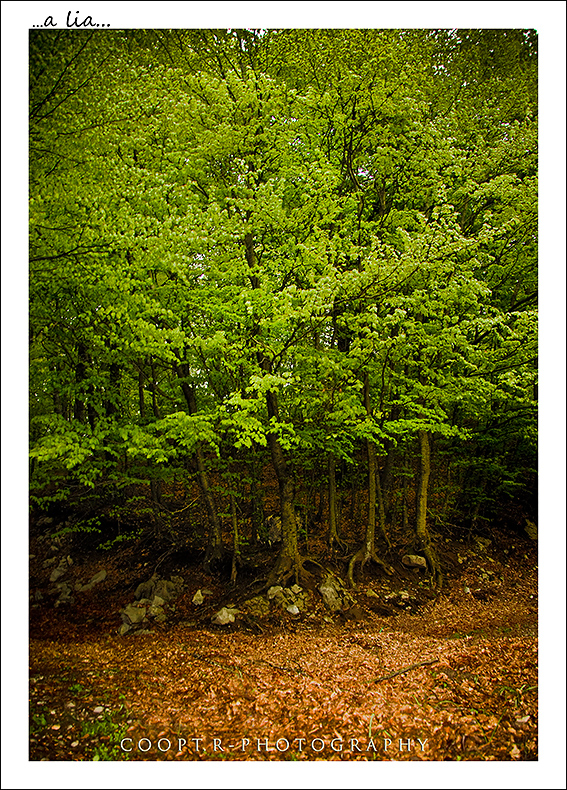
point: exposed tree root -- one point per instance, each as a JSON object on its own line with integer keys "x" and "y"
{"x": 236, "y": 562}
{"x": 336, "y": 543}
{"x": 214, "y": 556}
{"x": 362, "y": 556}
{"x": 434, "y": 565}
{"x": 405, "y": 669}
{"x": 287, "y": 568}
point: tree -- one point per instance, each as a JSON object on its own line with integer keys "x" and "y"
{"x": 301, "y": 246}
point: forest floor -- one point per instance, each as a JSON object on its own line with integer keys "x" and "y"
{"x": 452, "y": 677}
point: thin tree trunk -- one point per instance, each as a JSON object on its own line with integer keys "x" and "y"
{"x": 333, "y": 536}
{"x": 371, "y": 520}
{"x": 256, "y": 502}
{"x": 380, "y": 510}
{"x": 110, "y": 403}
{"x": 405, "y": 515}
{"x": 155, "y": 405}
{"x": 214, "y": 544}
{"x": 235, "y": 540}
{"x": 288, "y": 561}
{"x": 141, "y": 401}
{"x": 422, "y": 532}
{"x": 80, "y": 373}
{"x": 368, "y": 551}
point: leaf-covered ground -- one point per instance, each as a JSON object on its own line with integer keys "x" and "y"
{"x": 453, "y": 678}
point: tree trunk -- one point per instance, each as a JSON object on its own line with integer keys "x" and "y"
{"x": 368, "y": 551}
{"x": 155, "y": 487}
{"x": 235, "y": 540}
{"x": 380, "y": 510}
{"x": 80, "y": 373}
{"x": 110, "y": 402}
{"x": 141, "y": 401}
{"x": 214, "y": 544}
{"x": 405, "y": 515}
{"x": 333, "y": 535}
{"x": 422, "y": 533}
{"x": 257, "y": 516}
{"x": 155, "y": 406}
{"x": 288, "y": 561}
{"x": 371, "y": 520}
{"x": 386, "y": 479}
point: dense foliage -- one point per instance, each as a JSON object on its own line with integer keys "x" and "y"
{"x": 314, "y": 249}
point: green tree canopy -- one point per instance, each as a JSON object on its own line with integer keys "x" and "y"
{"x": 298, "y": 243}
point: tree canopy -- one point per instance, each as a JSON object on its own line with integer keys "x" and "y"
{"x": 315, "y": 249}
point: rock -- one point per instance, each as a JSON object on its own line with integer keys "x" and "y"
{"x": 98, "y": 577}
{"x": 531, "y": 529}
{"x": 400, "y": 598}
{"x": 124, "y": 628}
{"x": 157, "y": 613}
{"x": 133, "y": 614}
{"x": 198, "y": 598}
{"x": 284, "y": 597}
{"x": 224, "y": 616}
{"x": 57, "y": 574}
{"x": 166, "y": 590}
{"x": 292, "y": 609}
{"x": 64, "y": 594}
{"x": 153, "y": 597}
{"x": 142, "y": 632}
{"x": 335, "y": 595}
{"x": 98, "y": 709}
{"x": 257, "y": 606}
{"x": 414, "y": 561}
{"x": 146, "y": 589}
